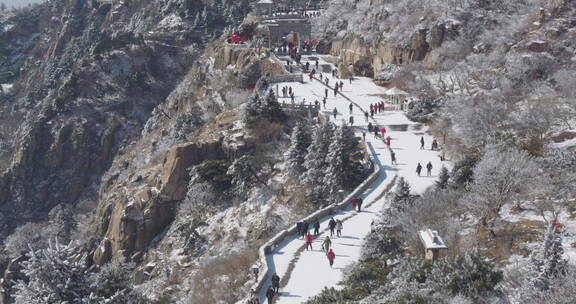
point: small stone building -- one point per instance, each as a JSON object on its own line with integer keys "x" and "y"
{"x": 433, "y": 244}
{"x": 282, "y": 26}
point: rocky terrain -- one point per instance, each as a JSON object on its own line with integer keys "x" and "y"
{"x": 130, "y": 129}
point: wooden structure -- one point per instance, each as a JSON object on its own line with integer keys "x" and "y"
{"x": 433, "y": 244}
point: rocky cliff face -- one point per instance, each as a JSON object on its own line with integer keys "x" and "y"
{"x": 367, "y": 59}
{"x": 88, "y": 77}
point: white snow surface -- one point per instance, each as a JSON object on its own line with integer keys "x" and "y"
{"x": 311, "y": 272}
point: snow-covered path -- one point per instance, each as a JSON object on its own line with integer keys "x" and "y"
{"x": 310, "y": 272}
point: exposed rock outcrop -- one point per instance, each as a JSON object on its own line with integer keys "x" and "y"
{"x": 368, "y": 58}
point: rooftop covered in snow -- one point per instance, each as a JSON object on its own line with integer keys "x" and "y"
{"x": 431, "y": 239}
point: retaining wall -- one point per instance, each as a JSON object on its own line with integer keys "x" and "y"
{"x": 280, "y": 236}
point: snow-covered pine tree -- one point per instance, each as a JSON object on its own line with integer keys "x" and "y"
{"x": 113, "y": 284}
{"x": 381, "y": 244}
{"x": 315, "y": 163}
{"x": 328, "y": 130}
{"x": 546, "y": 263}
{"x": 401, "y": 196}
{"x": 294, "y": 157}
{"x": 241, "y": 172}
{"x": 443, "y": 178}
{"x": 56, "y": 274}
{"x": 335, "y": 174}
{"x": 252, "y": 111}
{"x": 272, "y": 109}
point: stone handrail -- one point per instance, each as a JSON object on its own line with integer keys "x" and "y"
{"x": 280, "y": 236}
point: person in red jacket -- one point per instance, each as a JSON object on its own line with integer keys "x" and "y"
{"x": 308, "y": 241}
{"x": 331, "y": 256}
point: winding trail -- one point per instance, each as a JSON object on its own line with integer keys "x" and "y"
{"x": 305, "y": 273}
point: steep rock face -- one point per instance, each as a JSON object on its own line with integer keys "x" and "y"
{"x": 136, "y": 209}
{"x": 89, "y": 82}
{"x": 366, "y": 59}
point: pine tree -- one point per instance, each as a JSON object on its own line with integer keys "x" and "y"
{"x": 252, "y": 111}
{"x": 328, "y": 130}
{"x": 335, "y": 174}
{"x": 402, "y": 196}
{"x": 242, "y": 174}
{"x": 314, "y": 163}
{"x": 546, "y": 263}
{"x": 294, "y": 157}
{"x": 355, "y": 169}
{"x": 113, "y": 284}
{"x": 55, "y": 275}
{"x": 272, "y": 109}
{"x": 443, "y": 178}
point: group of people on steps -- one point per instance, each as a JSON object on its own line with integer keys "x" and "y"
{"x": 335, "y": 226}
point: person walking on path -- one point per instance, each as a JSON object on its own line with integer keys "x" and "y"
{"x": 351, "y": 120}
{"x": 350, "y": 107}
{"x": 339, "y": 228}
{"x": 324, "y": 102}
{"x": 326, "y": 80}
{"x": 326, "y": 92}
{"x": 326, "y": 244}
{"x": 393, "y": 156}
{"x": 335, "y": 91}
{"x": 270, "y": 294}
{"x": 334, "y": 112}
{"x": 418, "y": 169}
{"x": 316, "y": 227}
{"x": 299, "y": 228}
{"x": 369, "y": 127}
{"x": 375, "y": 131}
{"x": 316, "y": 63}
{"x": 351, "y": 78}
{"x": 383, "y": 131}
{"x": 331, "y": 226}
{"x": 371, "y": 112}
{"x": 341, "y": 85}
{"x": 366, "y": 116}
{"x": 429, "y": 169}
{"x": 308, "y": 241}
{"x": 275, "y": 283}
{"x": 253, "y": 297}
{"x": 422, "y": 143}
{"x": 363, "y": 135}
{"x": 331, "y": 256}
{"x": 320, "y": 77}
{"x": 305, "y": 229}
{"x": 359, "y": 204}
{"x": 388, "y": 139}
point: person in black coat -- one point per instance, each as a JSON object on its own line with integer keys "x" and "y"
{"x": 331, "y": 226}
{"x": 316, "y": 227}
{"x": 270, "y": 294}
{"x": 275, "y": 282}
